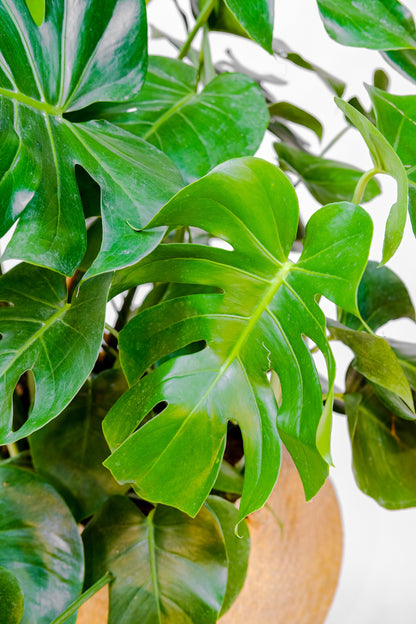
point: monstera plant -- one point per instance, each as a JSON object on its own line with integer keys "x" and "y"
{"x": 133, "y": 179}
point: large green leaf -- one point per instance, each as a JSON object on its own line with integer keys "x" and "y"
{"x": 382, "y": 297}
{"x": 198, "y": 131}
{"x": 258, "y": 323}
{"x": 69, "y": 451}
{"x": 39, "y": 544}
{"x": 378, "y": 24}
{"x": 168, "y": 567}
{"x": 396, "y": 119}
{"x": 383, "y": 447}
{"x": 82, "y": 53}
{"x": 385, "y": 161}
{"x": 42, "y": 332}
{"x": 327, "y": 180}
{"x": 254, "y": 19}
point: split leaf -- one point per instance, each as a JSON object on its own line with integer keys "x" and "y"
{"x": 259, "y": 322}
{"x": 43, "y": 333}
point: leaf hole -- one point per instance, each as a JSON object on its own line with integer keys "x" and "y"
{"x": 23, "y": 399}
{"x": 219, "y": 243}
{"x": 6, "y": 304}
{"x": 193, "y": 347}
{"x": 156, "y": 411}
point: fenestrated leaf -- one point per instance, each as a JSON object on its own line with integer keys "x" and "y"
{"x": 81, "y": 53}
{"x": 375, "y": 360}
{"x": 42, "y": 332}
{"x": 11, "y": 598}
{"x": 396, "y": 120}
{"x": 229, "y": 479}
{"x": 69, "y": 451}
{"x": 198, "y": 131}
{"x": 290, "y": 112}
{"x": 377, "y": 24}
{"x": 381, "y": 297}
{"x": 383, "y": 447}
{"x": 404, "y": 61}
{"x": 386, "y": 161}
{"x": 327, "y": 180}
{"x": 168, "y": 567}
{"x": 39, "y": 544}
{"x": 237, "y": 547}
{"x": 258, "y": 324}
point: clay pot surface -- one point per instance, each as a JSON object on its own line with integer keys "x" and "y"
{"x": 293, "y": 568}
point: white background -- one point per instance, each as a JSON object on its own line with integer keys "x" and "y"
{"x": 377, "y": 583}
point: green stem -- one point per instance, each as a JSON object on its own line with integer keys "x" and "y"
{"x": 73, "y": 608}
{"x": 202, "y": 18}
{"x": 336, "y": 138}
{"x": 362, "y": 184}
{"x": 12, "y": 449}
{"x": 112, "y": 331}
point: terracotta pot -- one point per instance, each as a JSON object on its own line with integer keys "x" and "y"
{"x": 294, "y": 566}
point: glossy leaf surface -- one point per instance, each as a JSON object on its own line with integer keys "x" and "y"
{"x": 39, "y": 544}
{"x": 396, "y": 119}
{"x": 377, "y": 24}
{"x": 383, "y": 447}
{"x": 385, "y": 161}
{"x": 327, "y": 180}
{"x": 237, "y": 547}
{"x": 80, "y": 54}
{"x": 404, "y": 61}
{"x": 168, "y": 567}
{"x": 258, "y": 324}
{"x": 11, "y": 598}
{"x": 58, "y": 341}
{"x": 74, "y": 441}
{"x": 171, "y": 115}
{"x": 256, "y": 17}
{"x": 382, "y": 297}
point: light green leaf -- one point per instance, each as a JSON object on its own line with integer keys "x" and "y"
{"x": 170, "y": 114}
{"x": 58, "y": 341}
{"x": 396, "y": 120}
{"x": 229, "y": 479}
{"x": 82, "y": 53}
{"x": 237, "y": 547}
{"x": 258, "y": 323}
{"x": 327, "y": 180}
{"x": 290, "y": 112}
{"x": 406, "y": 354}
{"x": 11, "y": 598}
{"x": 386, "y": 161}
{"x": 37, "y": 10}
{"x": 377, "y": 24}
{"x": 74, "y": 442}
{"x": 383, "y": 447}
{"x": 39, "y": 544}
{"x": 168, "y": 567}
{"x": 382, "y": 297}
{"x": 375, "y": 360}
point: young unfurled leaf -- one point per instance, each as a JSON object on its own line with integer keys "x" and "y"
{"x": 385, "y": 161}
{"x": 164, "y": 563}
{"x": 74, "y": 441}
{"x": 198, "y": 131}
{"x": 81, "y": 53}
{"x": 377, "y": 24}
{"x": 327, "y": 180}
{"x": 39, "y": 544}
{"x": 37, "y": 10}
{"x": 381, "y": 297}
{"x": 56, "y": 340}
{"x": 383, "y": 447}
{"x": 396, "y": 120}
{"x": 259, "y": 323}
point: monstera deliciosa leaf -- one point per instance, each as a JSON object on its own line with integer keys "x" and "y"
{"x": 259, "y": 319}
{"x": 82, "y": 52}
{"x": 42, "y": 332}
{"x": 173, "y": 116}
